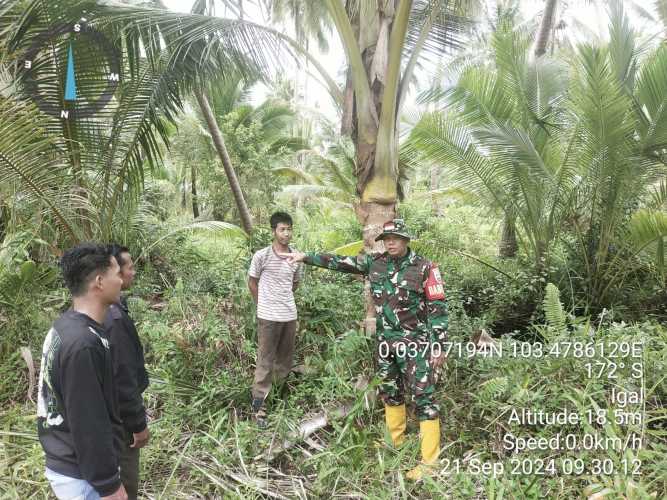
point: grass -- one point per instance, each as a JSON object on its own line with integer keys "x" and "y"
{"x": 197, "y": 323}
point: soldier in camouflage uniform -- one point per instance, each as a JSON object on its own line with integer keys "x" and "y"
{"x": 411, "y": 319}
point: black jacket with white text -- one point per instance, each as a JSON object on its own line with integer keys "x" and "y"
{"x": 78, "y": 421}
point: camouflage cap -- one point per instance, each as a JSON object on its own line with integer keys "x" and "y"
{"x": 397, "y": 227}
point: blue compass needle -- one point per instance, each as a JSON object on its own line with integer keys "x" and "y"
{"x": 70, "y": 83}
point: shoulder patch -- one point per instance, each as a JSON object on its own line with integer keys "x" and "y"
{"x": 434, "y": 287}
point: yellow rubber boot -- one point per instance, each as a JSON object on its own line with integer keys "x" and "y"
{"x": 430, "y": 445}
{"x": 395, "y": 418}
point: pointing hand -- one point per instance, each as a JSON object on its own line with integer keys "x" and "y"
{"x": 293, "y": 257}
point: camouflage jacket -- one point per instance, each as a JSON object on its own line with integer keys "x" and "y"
{"x": 402, "y": 303}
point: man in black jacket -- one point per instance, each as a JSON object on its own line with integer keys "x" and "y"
{"x": 77, "y": 410}
{"x": 130, "y": 375}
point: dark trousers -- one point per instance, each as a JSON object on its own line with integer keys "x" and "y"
{"x": 275, "y": 354}
{"x": 129, "y": 468}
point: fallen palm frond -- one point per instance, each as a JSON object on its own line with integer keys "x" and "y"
{"x": 234, "y": 481}
{"x": 308, "y": 427}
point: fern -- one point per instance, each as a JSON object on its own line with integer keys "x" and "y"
{"x": 553, "y": 310}
{"x": 492, "y": 389}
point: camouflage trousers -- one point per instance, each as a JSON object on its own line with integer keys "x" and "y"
{"x": 404, "y": 362}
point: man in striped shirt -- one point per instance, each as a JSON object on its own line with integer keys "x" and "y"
{"x": 272, "y": 281}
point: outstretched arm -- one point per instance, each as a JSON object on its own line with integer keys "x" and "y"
{"x": 356, "y": 265}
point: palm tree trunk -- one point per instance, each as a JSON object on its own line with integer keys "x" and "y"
{"x": 4, "y": 218}
{"x": 546, "y": 26}
{"x": 219, "y": 143}
{"x": 195, "y": 201}
{"x": 508, "y": 245}
{"x": 184, "y": 193}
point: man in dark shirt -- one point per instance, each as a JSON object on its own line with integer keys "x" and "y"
{"x": 77, "y": 409}
{"x": 130, "y": 376}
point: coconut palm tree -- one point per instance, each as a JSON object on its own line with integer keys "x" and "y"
{"x": 310, "y": 22}
{"x": 383, "y": 42}
{"x": 328, "y": 173}
{"x": 103, "y": 158}
{"x": 269, "y": 125}
{"x": 508, "y": 244}
{"x": 221, "y": 148}
{"x": 207, "y": 6}
{"x": 546, "y": 27}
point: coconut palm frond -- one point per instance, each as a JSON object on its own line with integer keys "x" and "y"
{"x": 297, "y": 174}
{"x": 222, "y": 228}
{"x": 32, "y": 162}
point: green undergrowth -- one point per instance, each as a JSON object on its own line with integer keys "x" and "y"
{"x": 197, "y": 323}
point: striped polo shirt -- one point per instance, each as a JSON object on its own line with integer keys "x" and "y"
{"x": 276, "y": 276}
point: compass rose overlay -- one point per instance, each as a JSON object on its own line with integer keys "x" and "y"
{"x": 80, "y": 97}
